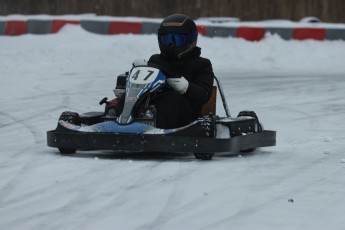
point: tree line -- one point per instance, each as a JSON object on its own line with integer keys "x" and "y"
{"x": 245, "y": 10}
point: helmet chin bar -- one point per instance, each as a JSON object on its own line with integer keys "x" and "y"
{"x": 191, "y": 46}
{"x": 177, "y": 53}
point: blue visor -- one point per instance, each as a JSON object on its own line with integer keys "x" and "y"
{"x": 176, "y": 40}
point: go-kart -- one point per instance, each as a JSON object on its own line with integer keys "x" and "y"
{"x": 135, "y": 130}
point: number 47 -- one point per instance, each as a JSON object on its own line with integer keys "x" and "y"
{"x": 136, "y": 75}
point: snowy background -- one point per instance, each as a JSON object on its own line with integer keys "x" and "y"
{"x": 296, "y": 87}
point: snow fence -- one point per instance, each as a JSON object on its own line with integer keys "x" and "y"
{"x": 254, "y": 31}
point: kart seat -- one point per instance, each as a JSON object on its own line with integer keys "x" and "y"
{"x": 210, "y": 106}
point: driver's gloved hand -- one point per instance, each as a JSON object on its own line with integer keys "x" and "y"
{"x": 179, "y": 84}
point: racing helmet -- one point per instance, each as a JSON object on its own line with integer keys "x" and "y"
{"x": 177, "y": 36}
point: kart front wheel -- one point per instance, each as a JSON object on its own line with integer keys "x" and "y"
{"x": 70, "y": 117}
{"x": 67, "y": 151}
{"x": 248, "y": 150}
{"x": 204, "y": 156}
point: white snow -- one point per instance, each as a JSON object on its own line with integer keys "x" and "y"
{"x": 296, "y": 87}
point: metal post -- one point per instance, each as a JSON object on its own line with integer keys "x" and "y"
{"x": 221, "y": 92}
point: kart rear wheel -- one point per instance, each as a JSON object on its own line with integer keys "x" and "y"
{"x": 259, "y": 126}
{"x": 67, "y": 151}
{"x": 204, "y": 156}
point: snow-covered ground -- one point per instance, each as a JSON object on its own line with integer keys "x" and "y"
{"x": 296, "y": 88}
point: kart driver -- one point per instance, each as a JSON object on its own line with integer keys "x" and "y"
{"x": 181, "y": 104}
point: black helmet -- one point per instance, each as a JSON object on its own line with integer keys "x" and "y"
{"x": 177, "y": 36}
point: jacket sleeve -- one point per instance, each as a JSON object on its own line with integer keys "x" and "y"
{"x": 200, "y": 88}
{"x": 198, "y": 72}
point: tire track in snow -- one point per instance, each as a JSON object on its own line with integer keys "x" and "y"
{"x": 121, "y": 195}
{"x": 36, "y": 134}
{"x": 19, "y": 162}
{"x": 25, "y": 121}
{"x": 175, "y": 196}
{"x": 175, "y": 207}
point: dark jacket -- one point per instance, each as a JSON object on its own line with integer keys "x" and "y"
{"x": 198, "y": 72}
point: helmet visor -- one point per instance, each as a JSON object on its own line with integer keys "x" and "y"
{"x": 176, "y": 40}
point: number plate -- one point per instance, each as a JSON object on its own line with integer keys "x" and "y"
{"x": 143, "y": 75}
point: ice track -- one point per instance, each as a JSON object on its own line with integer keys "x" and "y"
{"x": 299, "y": 184}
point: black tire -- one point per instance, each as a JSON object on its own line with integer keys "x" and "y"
{"x": 248, "y": 150}
{"x": 260, "y": 129}
{"x": 67, "y": 151}
{"x": 204, "y": 156}
{"x": 70, "y": 117}
{"x": 248, "y": 113}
